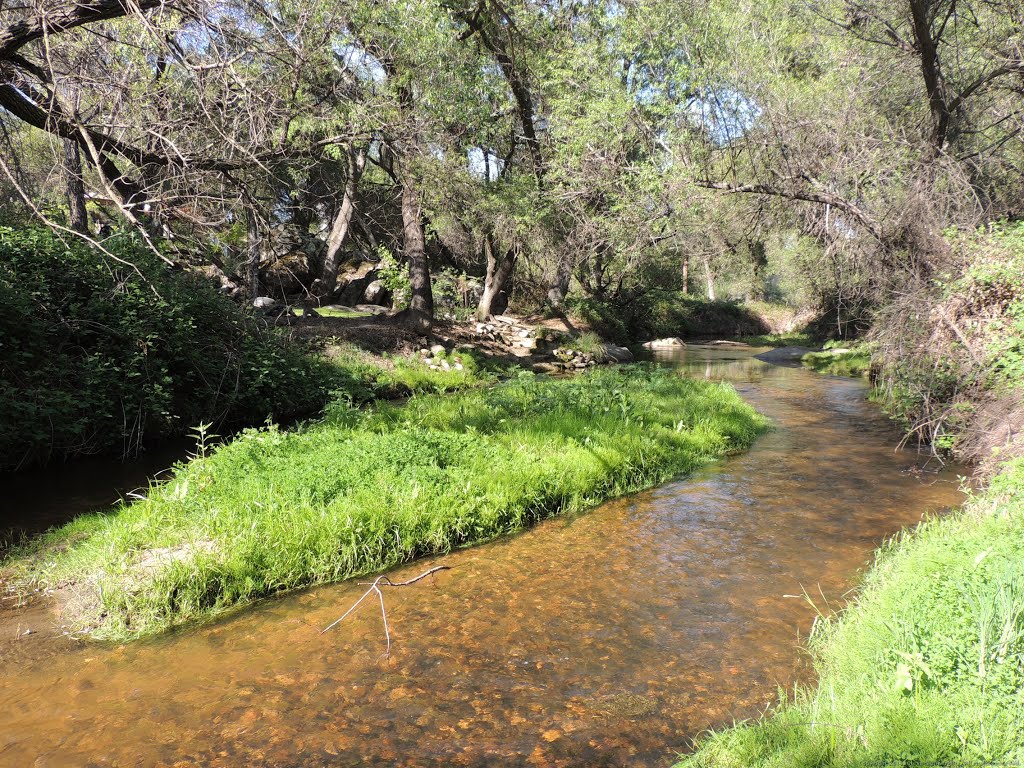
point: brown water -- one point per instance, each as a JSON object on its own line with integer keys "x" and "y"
{"x": 608, "y": 639}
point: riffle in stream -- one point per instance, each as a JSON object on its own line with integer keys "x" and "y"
{"x": 611, "y": 638}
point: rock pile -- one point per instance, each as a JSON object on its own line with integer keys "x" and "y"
{"x": 436, "y": 359}
{"x": 520, "y": 339}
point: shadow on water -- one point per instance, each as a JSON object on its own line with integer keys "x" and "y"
{"x": 611, "y": 638}
{"x": 37, "y": 500}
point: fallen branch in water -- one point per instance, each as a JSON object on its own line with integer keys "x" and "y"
{"x": 383, "y": 581}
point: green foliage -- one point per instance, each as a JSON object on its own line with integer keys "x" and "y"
{"x": 840, "y": 361}
{"x": 589, "y": 343}
{"x": 925, "y": 667}
{"x": 98, "y": 355}
{"x": 367, "y": 490}
{"x": 661, "y": 313}
{"x": 960, "y": 345}
{"x": 395, "y": 278}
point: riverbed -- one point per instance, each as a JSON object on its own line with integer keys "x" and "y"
{"x": 609, "y": 638}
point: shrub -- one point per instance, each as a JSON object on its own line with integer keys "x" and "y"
{"x": 99, "y": 355}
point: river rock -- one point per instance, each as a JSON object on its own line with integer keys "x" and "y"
{"x": 669, "y": 343}
{"x": 617, "y": 354}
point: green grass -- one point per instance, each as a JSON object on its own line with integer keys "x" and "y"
{"x": 368, "y": 489}
{"x": 855, "y": 361}
{"x": 926, "y": 667}
{"x": 344, "y": 312}
{"x": 374, "y": 377}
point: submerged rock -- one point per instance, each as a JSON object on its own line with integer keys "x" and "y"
{"x": 784, "y": 355}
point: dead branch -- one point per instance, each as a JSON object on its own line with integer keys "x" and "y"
{"x": 383, "y": 581}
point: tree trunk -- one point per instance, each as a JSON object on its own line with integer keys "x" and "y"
{"x": 420, "y": 314}
{"x": 709, "y": 277}
{"x": 559, "y": 288}
{"x": 922, "y": 14}
{"x": 253, "y": 246}
{"x": 342, "y": 223}
{"x": 499, "y": 272}
{"x": 759, "y": 263}
{"x": 686, "y": 274}
{"x": 78, "y": 216}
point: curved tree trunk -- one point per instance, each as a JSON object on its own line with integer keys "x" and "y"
{"x": 499, "y": 272}
{"x": 342, "y": 224}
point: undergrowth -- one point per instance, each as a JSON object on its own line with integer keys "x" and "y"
{"x": 661, "y": 313}
{"x": 100, "y": 355}
{"x": 368, "y": 489}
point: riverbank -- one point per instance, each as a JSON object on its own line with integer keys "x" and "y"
{"x": 925, "y": 667}
{"x": 368, "y": 489}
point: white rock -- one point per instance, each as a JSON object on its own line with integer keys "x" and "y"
{"x": 668, "y": 343}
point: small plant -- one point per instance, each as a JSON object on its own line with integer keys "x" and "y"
{"x": 589, "y": 343}
{"x": 203, "y": 437}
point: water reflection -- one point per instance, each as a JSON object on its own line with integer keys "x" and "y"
{"x": 607, "y": 639}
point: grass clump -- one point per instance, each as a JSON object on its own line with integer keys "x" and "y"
{"x": 368, "y": 489}
{"x": 837, "y": 360}
{"x": 926, "y": 667}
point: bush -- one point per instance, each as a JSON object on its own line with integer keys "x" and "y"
{"x": 661, "y": 313}
{"x": 98, "y": 355}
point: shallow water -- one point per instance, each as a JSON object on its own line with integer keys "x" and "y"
{"x": 608, "y": 639}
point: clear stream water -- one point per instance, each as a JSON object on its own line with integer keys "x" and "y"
{"x": 608, "y": 639}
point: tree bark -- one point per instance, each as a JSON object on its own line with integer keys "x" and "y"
{"x": 78, "y": 216}
{"x": 342, "y": 223}
{"x": 559, "y": 288}
{"x": 709, "y": 277}
{"x": 922, "y": 13}
{"x": 420, "y": 314}
{"x": 499, "y": 272}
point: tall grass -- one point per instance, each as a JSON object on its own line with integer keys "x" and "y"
{"x": 366, "y": 490}
{"x": 925, "y": 668}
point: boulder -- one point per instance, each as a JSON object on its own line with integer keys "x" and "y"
{"x": 288, "y": 275}
{"x": 672, "y": 342}
{"x": 617, "y": 354}
{"x": 376, "y": 293}
{"x": 352, "y": 283}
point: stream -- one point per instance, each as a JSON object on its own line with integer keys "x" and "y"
{"x": 610, "y": 638}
